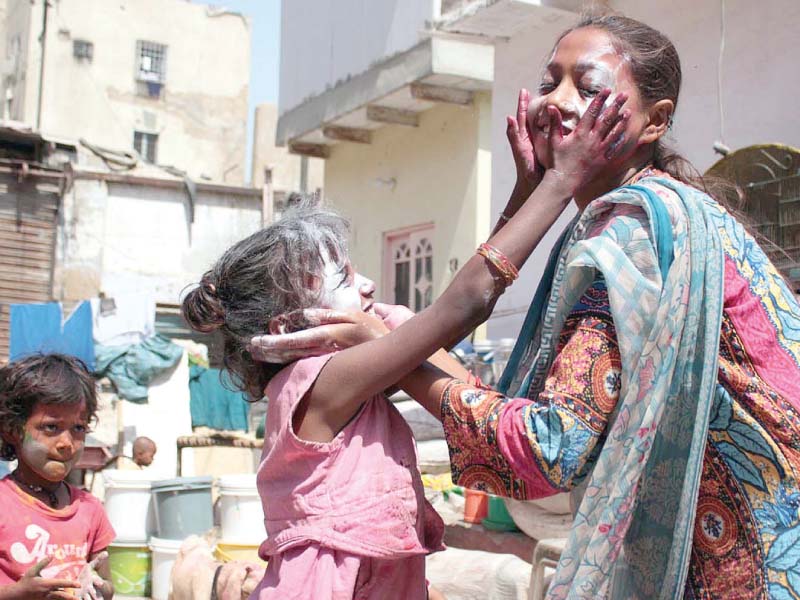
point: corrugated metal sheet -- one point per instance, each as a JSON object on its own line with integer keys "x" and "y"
{"x": 28, "y": 217}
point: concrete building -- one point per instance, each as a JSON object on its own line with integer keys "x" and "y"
{"x": 70, "y": 231}
{"x": 353, "y": 93}
{"x": 166, "y": 78}
{"x": 284, "y": 171}
{"x": 402, "y": 117}
{"x": 131, "y": 232}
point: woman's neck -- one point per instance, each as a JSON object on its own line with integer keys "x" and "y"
{"x": 616, "y": 179}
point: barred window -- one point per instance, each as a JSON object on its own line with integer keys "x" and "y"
{"x": 151, "y": 62}
{"x": 83, "y": 50}
{"x": 408, "y": 267}
{"x": 146, "y": 144}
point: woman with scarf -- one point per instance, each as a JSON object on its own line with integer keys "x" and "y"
{"x": 656, "y": 375}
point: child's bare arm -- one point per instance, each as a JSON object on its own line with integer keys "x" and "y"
{"x": 427, "y": 382}
{"x": 361, "y": 371}
{"x": 316, "y": 419}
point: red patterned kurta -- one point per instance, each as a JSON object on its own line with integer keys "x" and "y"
{"x": 747, "y": 526}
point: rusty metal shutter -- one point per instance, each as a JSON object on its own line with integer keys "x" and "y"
{"x": 28, "y": 217}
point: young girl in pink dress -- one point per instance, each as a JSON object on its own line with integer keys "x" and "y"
{"x": 344, "y": 507}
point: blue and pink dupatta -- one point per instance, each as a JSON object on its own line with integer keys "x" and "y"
{"x": 658, "y": 247}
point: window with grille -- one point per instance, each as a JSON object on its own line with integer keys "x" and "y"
{"x": 83, "y": 50}
{"x": 408, "y": 276}
{"x": 151, "y": 62}
{"x": 146, "y": 144}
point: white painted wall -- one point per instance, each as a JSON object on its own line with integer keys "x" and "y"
{"x": 760, "y": 79}
{"x": 121, "y": 238}
{"x": 201, "y": 117}
{"x": 326, "y": 41}
{"x": 18, "y": 54}
{"x": 760, "y": 72}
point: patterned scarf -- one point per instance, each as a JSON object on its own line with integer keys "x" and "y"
{"x": 657, "y": 246}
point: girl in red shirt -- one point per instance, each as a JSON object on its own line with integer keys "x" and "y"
{"x": 51, "y": 534}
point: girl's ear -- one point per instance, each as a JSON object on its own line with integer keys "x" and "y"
{"x": 10, "y": 436}
{"x": 659, "y": 120}
{"x": 276, "y": 325}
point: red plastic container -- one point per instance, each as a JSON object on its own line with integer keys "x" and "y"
{"x": 476, "y": 505}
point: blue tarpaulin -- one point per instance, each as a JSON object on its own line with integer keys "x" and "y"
{"x": 132, "y": 367}
{"x": 39, "y": 328}
{"x": 214, "y": 402}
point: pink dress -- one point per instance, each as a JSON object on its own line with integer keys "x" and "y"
{"x": 345, "y": 519}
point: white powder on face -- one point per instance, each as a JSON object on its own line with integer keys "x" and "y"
{"x": 337, "y": 292}
{"x": 597, "y": 73}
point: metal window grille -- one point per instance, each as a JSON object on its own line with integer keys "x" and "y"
{"x": 146, "y": 144}
{"x": 409, "y": 272}
{"x": 151, "y": 61}
{"x": 83, "y": 50}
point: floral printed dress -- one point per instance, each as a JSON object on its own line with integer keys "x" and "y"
{"x": 745, "y": 523}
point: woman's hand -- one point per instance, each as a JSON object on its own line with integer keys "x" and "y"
{"x": 392, "y": 315}
{"x": 598, "y": 138}
{"x": 327, "y": 331}
{"x": 529, "y": 170}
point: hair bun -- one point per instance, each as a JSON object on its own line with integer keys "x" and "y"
{"x": 202, "y": 308}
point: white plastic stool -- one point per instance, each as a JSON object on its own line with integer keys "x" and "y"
{"x": 545, "y": 556}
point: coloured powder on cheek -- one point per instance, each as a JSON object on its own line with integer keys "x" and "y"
{"x": 33, "y": 452}
{"x": 599, "y": 74}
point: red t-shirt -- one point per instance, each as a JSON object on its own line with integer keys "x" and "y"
{"x": 30, "y": 531}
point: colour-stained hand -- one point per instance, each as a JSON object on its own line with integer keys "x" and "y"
{"x": 92, "y": 585}
{"x": 598, "y": 137}
{"x": 529, "y": 170}
{"x": 32, "y": 586}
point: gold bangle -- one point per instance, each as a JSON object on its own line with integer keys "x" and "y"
{"x": 500, "y": 262}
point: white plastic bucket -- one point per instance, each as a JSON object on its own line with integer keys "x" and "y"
{"x": 129, "y": 505}
{"x": 241, "y": 517}
{"x": 165, "y": 552}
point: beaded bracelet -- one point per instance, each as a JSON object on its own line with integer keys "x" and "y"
{"x": 500, "y": 262}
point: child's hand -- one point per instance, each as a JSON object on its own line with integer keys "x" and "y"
{"x": 34, "y": 587}
{"x": 598, "y": 138}
{"x": 92, "y": 586}
{"x": 518, "y": 132}
{"x": 328, "y": 331}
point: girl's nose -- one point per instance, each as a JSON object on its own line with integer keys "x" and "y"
{"x": 366, "y": 287}
{"x": 65, "y": 442}
{"x": 563, "y": 99}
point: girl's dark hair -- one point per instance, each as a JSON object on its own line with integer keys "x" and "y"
{"x": 656, "y": 69}
{"x": 44, "y": 378}
{"x": 274, "y": 271}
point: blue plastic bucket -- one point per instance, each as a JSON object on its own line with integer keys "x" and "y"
{"x": 183, "y": 507}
